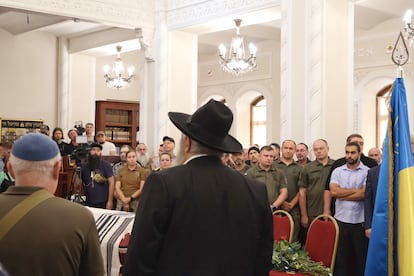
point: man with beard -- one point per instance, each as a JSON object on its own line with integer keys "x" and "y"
{"x": 142, "y": 156}
{"x": 329, "y": 201}
{"x": 98, "y": 179}
{"x": 108, "y": 148}
{"x": 276, "y": 149}
{"x": 202, "y": 218}
{"x": 238, "y": 161}
{"x": 253, "y": 154}
{"x": 302, "y": 154}
{"x": 348, "y": 187}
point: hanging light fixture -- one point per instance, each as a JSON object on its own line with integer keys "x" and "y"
{"x": 117, "y": 80}
{"x": 408, "y": 29}
{"x": 236, "y": 61}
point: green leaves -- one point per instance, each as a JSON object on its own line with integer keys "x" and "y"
{"x": 290, "y": 257}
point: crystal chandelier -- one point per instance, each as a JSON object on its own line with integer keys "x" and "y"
{"x": 117, "y": 80}
{"x": 236, "y": 61}
{"x": 408, "y": 29}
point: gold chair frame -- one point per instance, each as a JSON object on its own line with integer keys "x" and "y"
{"x": 292, "y": 224}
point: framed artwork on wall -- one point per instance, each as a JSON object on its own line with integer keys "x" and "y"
{"x": 12, "y": 129}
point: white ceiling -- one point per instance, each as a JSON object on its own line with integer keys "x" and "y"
{"x": 257, "y": 26}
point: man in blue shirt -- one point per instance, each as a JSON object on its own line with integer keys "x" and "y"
{"x": 348, "y": 187}
{"x": 98, "y": 178}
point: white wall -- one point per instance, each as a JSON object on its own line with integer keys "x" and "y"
{"x": 374, "y": 69}
{"x": 81, "y": 89}
{"x": 182, "y": 76}
{"x": 28, "y": 76}
{"x": 87, "y": 84}
{"x": 132, "y": 93}
{"x": 240, "y": 91}
{"x": 31, "y": 60}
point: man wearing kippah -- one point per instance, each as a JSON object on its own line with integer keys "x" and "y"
{"x": 202, "y": 217}
{"x": 41, "y": 234}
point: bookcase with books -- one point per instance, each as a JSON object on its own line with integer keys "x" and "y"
{"x": 119, "y": 121}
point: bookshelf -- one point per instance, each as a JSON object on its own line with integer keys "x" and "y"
{"x": 119, "y": 121}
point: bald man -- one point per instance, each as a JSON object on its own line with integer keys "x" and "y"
{"x": 376, "y": 154}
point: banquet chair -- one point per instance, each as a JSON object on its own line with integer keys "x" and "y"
{"x": 322, "y": 240}
{"x": 282, "y": 226}
{"x": 122, "y": 250}
{"x": 321, "y": 243}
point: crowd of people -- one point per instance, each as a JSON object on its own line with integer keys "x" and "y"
{"x": 344, "y": 188}
{"x": 223, "y": 193}
{"x": 104, "y": 187}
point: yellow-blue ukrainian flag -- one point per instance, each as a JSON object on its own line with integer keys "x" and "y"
{"x": 391, "y": 247}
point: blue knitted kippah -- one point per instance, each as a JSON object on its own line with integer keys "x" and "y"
{"x": 35, "y": 147}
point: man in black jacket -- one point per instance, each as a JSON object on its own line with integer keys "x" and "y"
{"x": 202, "y": 218}
{"x": 369, "y": 198}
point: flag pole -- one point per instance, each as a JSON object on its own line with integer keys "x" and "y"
{"x": 400, "y": 55}
{"x": 400, "y": 72}
{"x": 391, "y": 239}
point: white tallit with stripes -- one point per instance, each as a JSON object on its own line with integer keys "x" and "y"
{"x": 112, "y": 226}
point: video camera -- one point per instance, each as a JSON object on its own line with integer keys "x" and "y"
{"x": 79, "y": 128}
{"x": 80, "y": 153}
{"x": 82, "y": 150}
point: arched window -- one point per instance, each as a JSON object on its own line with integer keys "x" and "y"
{"x": 382, "y": 114}
{"x": 258, "y": 121}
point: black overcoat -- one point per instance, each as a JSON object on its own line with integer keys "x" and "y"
{"x": 201, "y": 218}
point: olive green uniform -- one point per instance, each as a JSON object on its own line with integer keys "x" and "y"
{"x": 313, "y": 179}
{"x": 130, "y": 182}
{"x": 56, "y": 237}
{"x": 293, "y": 174}
{"x": 274, "y": 180}
{"x": 244, "y": 170}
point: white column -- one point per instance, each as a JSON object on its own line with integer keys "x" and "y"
{"x": 159, "y": 73}
{"x": 63, "y": 84}
{"x": 294, "y": 43}
{"x": 317, "y": 69}
{"x": 174, "y": 75}
{"x": 182, "y": 75}
{"x": 147, "y": 103}
{"x": 337, "y": 73}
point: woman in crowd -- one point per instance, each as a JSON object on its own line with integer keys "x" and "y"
{"x": 57, "y": 136}
{"x": 165, "y": 161}
{"x": 129, "y": 183}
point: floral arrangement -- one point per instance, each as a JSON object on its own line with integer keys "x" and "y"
{"x": 291, "y": 258}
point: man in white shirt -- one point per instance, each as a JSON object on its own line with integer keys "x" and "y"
{"x": 108, "y": 148}
{"x": 348, "y": 187}
{"x": 89, "y": 133}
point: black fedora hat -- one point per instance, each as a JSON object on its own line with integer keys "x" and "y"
{"x": 209, "y": 126}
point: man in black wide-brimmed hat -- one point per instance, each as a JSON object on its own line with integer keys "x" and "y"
{"x": 202, "y": 218}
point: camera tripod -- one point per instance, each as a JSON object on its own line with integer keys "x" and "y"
{"x": 76, "y": 184}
